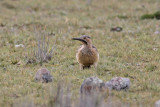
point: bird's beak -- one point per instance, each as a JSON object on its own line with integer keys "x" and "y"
{"x": 80, "y": 40}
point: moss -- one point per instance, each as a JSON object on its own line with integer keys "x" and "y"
{"x": 147, "y": 16}
{"x": 122, "y": 17}
{"x": 155, "y": 15}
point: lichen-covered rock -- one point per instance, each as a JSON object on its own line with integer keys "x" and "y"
{"x": 43, "y": 75}
{"x": 157, "y": 104}
{"x": 118, "y": 83}
{"x": 91, "y": 84}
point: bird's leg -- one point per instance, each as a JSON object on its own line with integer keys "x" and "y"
{"x": 81, "y": 67}
{"x": 95, "y": 66}
{"x": 84, "y": 67}
{"x": 88, "y": 66}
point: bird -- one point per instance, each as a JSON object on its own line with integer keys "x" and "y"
{"x": 87, "y": 54}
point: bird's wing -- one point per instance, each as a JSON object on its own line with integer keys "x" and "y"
{"x": 94, "y": 48}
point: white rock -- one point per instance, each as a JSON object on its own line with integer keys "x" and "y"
{"x": 157, "y": 104}
{"x": 43, "y": 75}
{"x": 118, "y": 83}
{"x": 157, "y": 32}
{"x": 91, "y": 83}
{"x": 155, "y": 49}
{"x": 19, "y": 46}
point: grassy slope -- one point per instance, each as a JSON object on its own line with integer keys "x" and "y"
{"x": 128, "y": 54}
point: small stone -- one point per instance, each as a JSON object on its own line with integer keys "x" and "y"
{"x": 91, "y": 84}
{"x": 155, "y": 49}
{"x": 48, "y": 57}
{"x": 19, "y": 63}
{"x": 117, "y": 29}
{"x": 43, "y": 75}
{"x": 19, "y": 46}
{"x": 157, "y": 104}
{"x": 138, "y": 64}
{"x": 118, "y": 83}
{"x": 157, "y": 32}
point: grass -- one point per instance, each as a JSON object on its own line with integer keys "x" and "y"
{"x": 129, "y": 53}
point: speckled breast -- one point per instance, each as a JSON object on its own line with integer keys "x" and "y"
{"x": 87, "y": 57}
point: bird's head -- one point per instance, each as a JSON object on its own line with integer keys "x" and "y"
{"x": 86, "y": 40}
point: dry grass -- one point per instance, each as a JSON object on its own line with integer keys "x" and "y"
{"x": 132, "y": 53}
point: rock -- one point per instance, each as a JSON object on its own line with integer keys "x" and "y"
{"x": 118, "y": 83}
{"x": 90, "y": 84}
{"x": 117, "y": 29}
{"x": 19, "y": 46}
{"x": 48, "y": 57}
{"x": 19, "y": 63}
{"x": 43, "y": 75}
{"x": 157, "y": 104}
{"x": 157, "y": 32}
{"x": 155, "y": 49}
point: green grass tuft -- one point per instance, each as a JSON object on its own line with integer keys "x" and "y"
{"x": 155, "y": 15}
